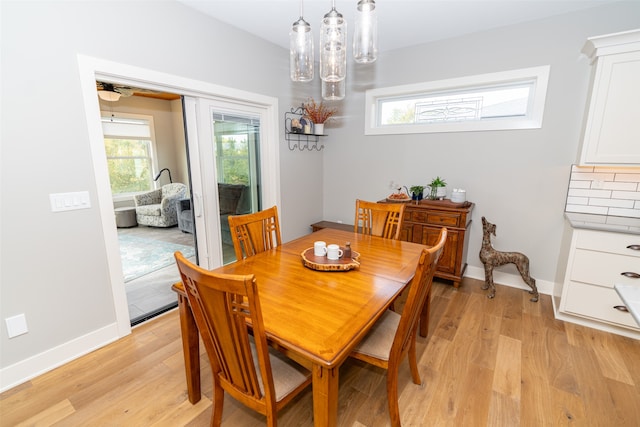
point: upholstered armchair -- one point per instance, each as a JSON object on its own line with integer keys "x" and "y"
{"x": 157, "y": 208}
{"x": 185, "y": 216}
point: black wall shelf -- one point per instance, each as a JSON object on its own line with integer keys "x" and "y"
{"x": 298, "y": 139}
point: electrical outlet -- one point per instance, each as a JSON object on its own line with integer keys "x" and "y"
{"x": 16, "y": 325}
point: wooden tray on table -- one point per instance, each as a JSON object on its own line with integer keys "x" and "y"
{"x": 322, "y": 263}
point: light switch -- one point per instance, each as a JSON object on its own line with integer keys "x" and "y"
{"x": 69, "y": 201}
{"x": 16, "y": 325}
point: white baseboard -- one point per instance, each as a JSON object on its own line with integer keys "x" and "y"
{"x": 508, "y": 279}
{"x": 31, "y": 367}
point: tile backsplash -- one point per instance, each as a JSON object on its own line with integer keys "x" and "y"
{"x": 604, "y": 191}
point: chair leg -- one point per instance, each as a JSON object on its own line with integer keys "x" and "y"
{"x": 392, "y": 397}
{"x": 413, "y": 361}
{"x": 218, "y": 403}
{"x": 424, "y": 316}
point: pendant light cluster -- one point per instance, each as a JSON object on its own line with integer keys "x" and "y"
{"x": 333, "y": 47}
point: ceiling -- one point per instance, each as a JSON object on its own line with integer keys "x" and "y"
{"x": 401, "y": 23}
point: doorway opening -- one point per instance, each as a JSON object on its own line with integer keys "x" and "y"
{"x": 144, "y": 138}
{"x": 201, "y": 168}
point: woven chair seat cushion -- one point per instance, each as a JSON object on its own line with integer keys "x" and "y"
{"x": 380, "y": 338}
{"x": 287, "y": 374}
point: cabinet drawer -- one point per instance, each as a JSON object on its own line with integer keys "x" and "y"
{"x": 597, "y": 303}
{"x": 603, "y": 241}
{"x": 436, "y": 218}
{"x": 604, "y": 269}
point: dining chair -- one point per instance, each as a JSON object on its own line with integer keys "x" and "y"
{"x": 379, "y": 219}
{"x": 394, "y": 335}
{"x": 242, "y": 364}
{"x": 255, "y": 232}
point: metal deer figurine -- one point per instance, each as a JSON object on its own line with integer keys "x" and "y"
{"x": 492, "y": 258}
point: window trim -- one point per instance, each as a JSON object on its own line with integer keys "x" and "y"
{"x": 533, "y": 119}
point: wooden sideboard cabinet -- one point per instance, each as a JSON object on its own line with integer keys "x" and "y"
{"x": 330, "y": 224}
{"x": 422, "y": 223}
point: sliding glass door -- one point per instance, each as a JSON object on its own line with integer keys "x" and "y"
{"x": 236, "y": 142}
{"x": 226, "y": 143}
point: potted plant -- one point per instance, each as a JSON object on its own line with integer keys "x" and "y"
{"x": 438, "y": 190}
{"x": 318, "y": 113}
{"x": 416, "y": 192}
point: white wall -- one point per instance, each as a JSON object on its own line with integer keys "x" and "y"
{"x": 517, "y": 179}
{"x": 54, "y": 266}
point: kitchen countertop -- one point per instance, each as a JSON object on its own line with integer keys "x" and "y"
{"x": 630, "y": 295}
{"x": 616, "y": 224}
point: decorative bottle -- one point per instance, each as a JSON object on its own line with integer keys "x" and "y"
{"x": 347, "y": 251}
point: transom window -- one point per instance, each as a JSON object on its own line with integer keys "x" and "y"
{"x": 129, "y": 146}
{"x": 506, "y": 100}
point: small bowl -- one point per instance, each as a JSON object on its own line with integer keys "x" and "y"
{"x": 458, "y": 197}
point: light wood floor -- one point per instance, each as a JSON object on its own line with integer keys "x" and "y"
{"x": 501, "y": 362}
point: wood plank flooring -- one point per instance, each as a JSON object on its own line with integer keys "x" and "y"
{"x": 500, "y": 362}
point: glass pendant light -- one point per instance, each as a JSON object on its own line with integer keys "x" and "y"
{"x": 333, "y": 91}
{"x": 301, "y": 50}
{"x": 333, "y": 53}
{"x": 365, "y": 37}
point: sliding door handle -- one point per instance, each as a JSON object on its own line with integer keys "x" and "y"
{"x": 634, "y": 247}
{"x": 197, "y": 205}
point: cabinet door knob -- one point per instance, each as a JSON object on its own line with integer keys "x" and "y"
{"x": 630, "y": 274}
{"x": 634, "y": 247}
{"x": 621, "y": 308}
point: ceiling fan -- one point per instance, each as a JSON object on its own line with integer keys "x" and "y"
{"x": 112, "y": 92}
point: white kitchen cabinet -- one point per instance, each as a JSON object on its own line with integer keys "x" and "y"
{"x": 612, "y": 130}
{"x": 597, "y": 261}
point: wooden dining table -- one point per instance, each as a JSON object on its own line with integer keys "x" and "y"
{"x": 316, "y": 317}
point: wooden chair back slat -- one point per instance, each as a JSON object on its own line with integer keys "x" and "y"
{"x": 255, "y": 232}
{"x": 379, "y": 219}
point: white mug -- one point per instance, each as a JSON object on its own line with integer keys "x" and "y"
{"x": 334, "y": 252}
{"x": 319, "y": 248}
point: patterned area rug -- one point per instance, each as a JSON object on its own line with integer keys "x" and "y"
{"x": 142, "y": 256}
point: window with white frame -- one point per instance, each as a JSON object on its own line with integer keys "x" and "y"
{"x": 130, "y": 148}
{"x": 497, "y": 101}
